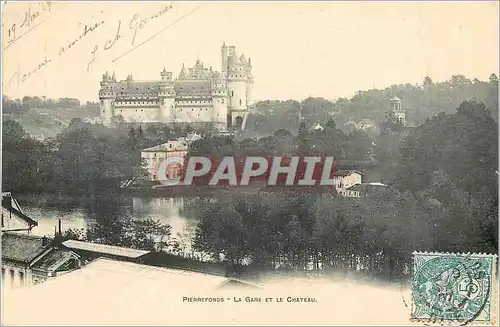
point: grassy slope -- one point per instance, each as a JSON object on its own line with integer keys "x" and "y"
{"x": 42, "y": 122}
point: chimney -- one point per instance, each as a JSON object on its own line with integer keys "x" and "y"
{"x": 60, "y": 233}
{"x": 7, "y": 200}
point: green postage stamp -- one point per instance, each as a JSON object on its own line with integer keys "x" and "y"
{"x": 454, "y": 288}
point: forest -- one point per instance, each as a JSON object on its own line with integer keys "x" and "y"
{"x": 442, "y": 177}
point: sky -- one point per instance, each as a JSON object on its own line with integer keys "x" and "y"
{"x": 298, "y": 49}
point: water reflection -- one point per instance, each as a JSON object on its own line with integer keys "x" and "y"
{"x": 107, "y": 211}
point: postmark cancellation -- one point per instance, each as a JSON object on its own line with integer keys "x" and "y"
{"x": 454, "y": 288}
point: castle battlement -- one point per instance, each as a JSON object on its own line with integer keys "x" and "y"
{"x": 199, "y": 94}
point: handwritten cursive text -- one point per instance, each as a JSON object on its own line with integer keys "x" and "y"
{"x": 137, "y": 24}
{"x": 87, "y": 29}
{"x": 30, "y": 18}
{"x": 21, "y": 78}
{"x": 109, "y": 44}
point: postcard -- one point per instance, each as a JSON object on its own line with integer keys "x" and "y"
{"x": 249, "y": 163}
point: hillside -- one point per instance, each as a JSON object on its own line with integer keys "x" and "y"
{"x": 421, "y": 102}
{"x": 47, "y": 118}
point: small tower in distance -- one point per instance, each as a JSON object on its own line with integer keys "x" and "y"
{"x": 398, "y": 112}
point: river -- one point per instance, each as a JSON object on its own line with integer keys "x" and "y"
{"x": 83, "y": 214}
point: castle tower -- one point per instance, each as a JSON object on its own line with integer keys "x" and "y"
{"x": 166, "y": 97}
{"x": 398, "y": 112}
{"x": 220, "y": 103}
{"x": 250, "y": 82}
{"x": 224, "y": 55}
{"x": 107, "y": 96}
{"x": 237, "y": 90}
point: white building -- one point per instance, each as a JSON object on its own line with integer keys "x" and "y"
{"x": 361, "y": 190}
{"x": 13, "y": 217}
{"x": 29, "y": 260}
{"x": 344, "y": 179}
{"x": 198, "y": 95}
{"x": 154, "y": 156}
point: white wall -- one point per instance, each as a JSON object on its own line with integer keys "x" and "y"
{"x": 8, "y": 282}
{"x": 134, "y": 113}
{"x": 11, "y": 221}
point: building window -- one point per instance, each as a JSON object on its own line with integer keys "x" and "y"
{"x": 240, "y": 102}
{"x": 3, "y": 275}
{"x": 12, "y": 277}
{"x": 222, "y": 101}
{"x": 21, "y": 278}
{"x": 232, "y": 93}
{"x": 3, "y": 224}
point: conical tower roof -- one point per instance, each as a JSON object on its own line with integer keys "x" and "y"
{"x": 183, "y": 74}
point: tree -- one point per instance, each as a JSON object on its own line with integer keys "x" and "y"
{"x": 149, "y": 234}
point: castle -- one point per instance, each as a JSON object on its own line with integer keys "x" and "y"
{"x": 197, "y": 95}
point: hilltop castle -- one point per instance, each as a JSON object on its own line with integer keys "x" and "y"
{"x": 197, "y": 95}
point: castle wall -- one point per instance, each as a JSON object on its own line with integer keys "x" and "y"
{"x": 237, "y": 95}
{"x": 106, "y": 111}
{"x": 132, "y": 114}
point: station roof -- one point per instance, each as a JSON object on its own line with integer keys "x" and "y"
{"x": 104, "y": 249}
